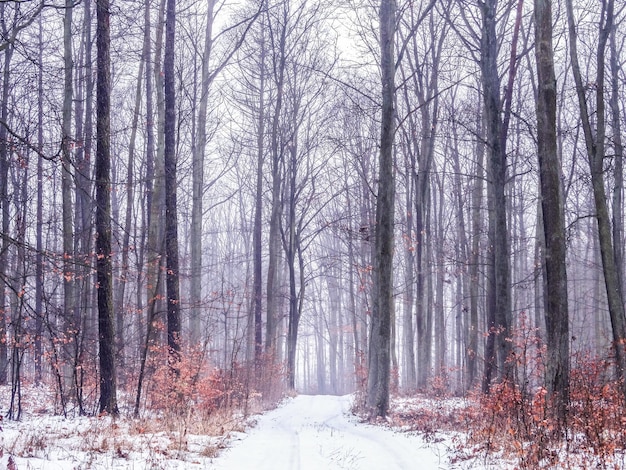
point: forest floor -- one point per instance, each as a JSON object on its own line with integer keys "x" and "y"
{"x": 305, "y": 432}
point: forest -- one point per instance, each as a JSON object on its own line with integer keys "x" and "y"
{"x": 211, "y": 203}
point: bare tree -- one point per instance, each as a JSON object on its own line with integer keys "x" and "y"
{"x": 595, "y": 149}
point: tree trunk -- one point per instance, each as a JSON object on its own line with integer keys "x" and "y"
{"x": 408, "y": 331}
{"x": 69, "y": 277}
{"x": 39, "y": 275}
{"x": 274, "y": 234}
{"x": 595, "y": 153}
{"x": 106, "y": 329}
{"x": 155, "y": 201}
{"x": 377, "y": 399}
{"x": 556, "y": 312}
{"x": 195, "y": 284}
{"x": 120, "y": 306}
{"x": 257, "y": 238}
{"x": 500, "y": 308}
{"x": 171, "y": 217}
{"x": 618, "y": 171}
{"x": 4, "y": 201}
{"x": 477, "y": 226}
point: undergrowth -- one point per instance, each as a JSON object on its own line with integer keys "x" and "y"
{"x": 188, "y": 414}
{"x": 516, "y": 421}
{"x": 516, "y": 424}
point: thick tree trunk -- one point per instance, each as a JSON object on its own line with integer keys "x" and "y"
{"x": 106, "y": 329}
{"x": 377, "y": 399}
{"x": 500, "y": 308}
{"x": 557, "y": 316}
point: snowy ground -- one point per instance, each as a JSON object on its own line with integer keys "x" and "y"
{"x": 318, "y": 432}
{"x": 306, "y": 432}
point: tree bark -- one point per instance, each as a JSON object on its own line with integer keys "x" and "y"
{"x": 39, "y": 275}
{"x": 499, "y": 310}
{"x": 618, "y": 150}
{"x": 477, "y": 226}
{"x": 155, "y": 202}
{"x": 377, "y": 399}
{"x": 171, "y": 216}
{"x": 556, "y": 311}
{"x": 106, "y": 329}
{"x": 276, "y": 210}
{"x": 257, "y": 237}
{"x": 69, "y": 277}
{"x": 4, "y": 201}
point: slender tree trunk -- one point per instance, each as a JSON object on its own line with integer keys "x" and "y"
{"x": 377, "y": 399}
{"x": 257, "y": 238}
{"x": 171, "y": 222}
{"x": 154, "y": 173}
{"x": 618, "y": 171}
{"x": 106, "y": 336}
{"x": 4, "y": 201}
{"x": 195, "y": 284}
{"x": 410, "y": 377}
{"x": 69, "y": 277}
{"x": 477, "y": 226}
{"x": 120, "y": 307}
{"x": 39, "y": 276}
{"x": 274, "y": 234}
{"x": 441, "y": 343}
{"x": 149, "y": 182}
{"x": 84, "y": 175}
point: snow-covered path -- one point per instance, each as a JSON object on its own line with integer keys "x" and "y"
{"x": 317, "y": 433}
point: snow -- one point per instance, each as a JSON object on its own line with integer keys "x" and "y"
{"x": 318, "y": 432}
{"x": 304, "y": 433}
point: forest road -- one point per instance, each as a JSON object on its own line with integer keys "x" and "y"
{"x": 317, "y": 432}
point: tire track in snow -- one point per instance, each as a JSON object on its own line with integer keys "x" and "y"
{"x": 316, "y": 433}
